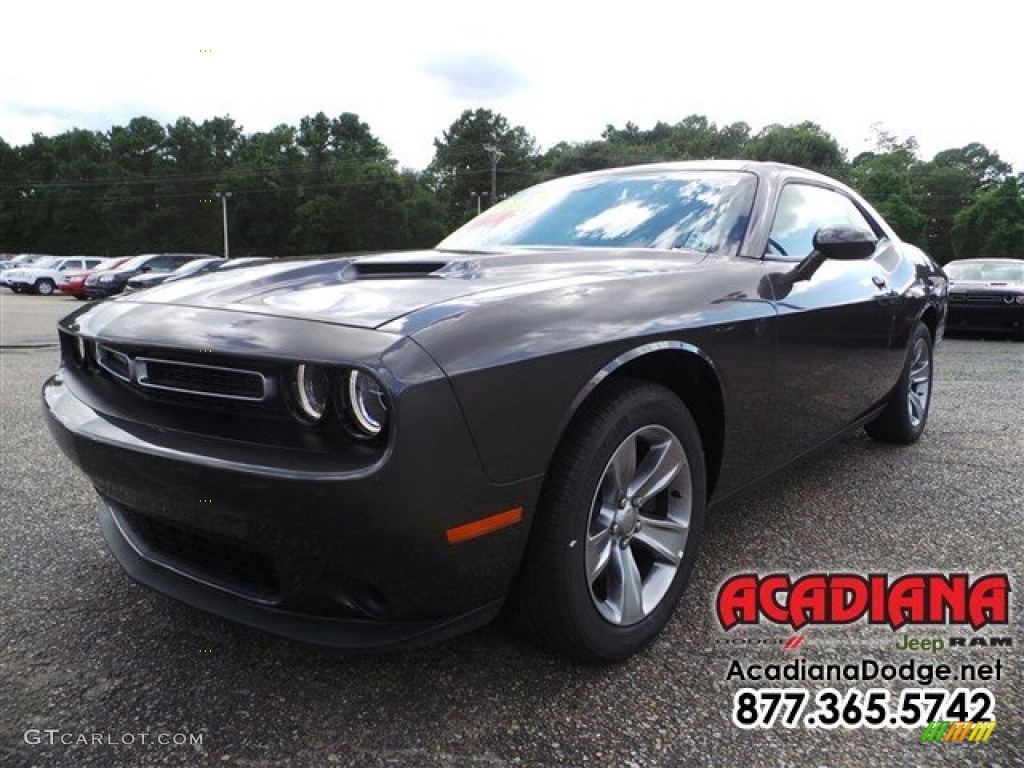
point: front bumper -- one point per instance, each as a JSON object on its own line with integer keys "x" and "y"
{"x": 994, "y": 318}
{"x": 152, "y": 569}
{"x": 355, "y": 557}
{"x": 98, "y": 291}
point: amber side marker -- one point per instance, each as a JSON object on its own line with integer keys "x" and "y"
{"x": 485, "y": 525}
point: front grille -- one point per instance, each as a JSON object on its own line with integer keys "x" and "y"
{"x": 196, "y": 379}
{"x": 984, "y": 298}
{"x": 225, "y": 560}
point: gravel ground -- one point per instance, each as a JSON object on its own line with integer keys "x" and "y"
{"x": 86, "y": 651}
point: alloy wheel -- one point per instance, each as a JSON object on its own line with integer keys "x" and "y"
{"x": 638, "y": 526}
{"x": 919, "y": 383}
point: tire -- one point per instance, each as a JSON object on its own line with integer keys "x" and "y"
{"x": 906, "y": 414}
{"x": 603, "y": 573}
{"x": 44, "y": 287}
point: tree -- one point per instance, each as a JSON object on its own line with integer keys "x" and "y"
{"x": 265, "y": 177}
{"x": 943, "y": 191}
{"x": 462, "y": 167}
{"x": 884, "y": 177}
{"x": 693, "y": 138}
{"x": 983, "y": 167}
{"x": 806, "y": 145}
{"x": 350, "y": 195}
{"x": 993, "y": 226}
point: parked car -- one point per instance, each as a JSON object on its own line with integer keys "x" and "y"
{"x": 986, "y": 295}
{"x": 20, "y": 260}
{"x": 73, "y": 283}
{"x": 381, "y": 450}
{"x": 43, "y": 275}
{"x": 189, "y": 268}
{"x": 100, "y": 285}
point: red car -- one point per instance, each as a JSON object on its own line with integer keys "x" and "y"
{"x": 74, "y": 282}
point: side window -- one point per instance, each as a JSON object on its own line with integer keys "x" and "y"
{"x": 803, "y": 209}
{"x": 162, "y": 264}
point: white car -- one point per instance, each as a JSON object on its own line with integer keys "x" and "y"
{"x": 42, "y": 276}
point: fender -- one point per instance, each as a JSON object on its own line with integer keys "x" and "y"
{"x": 628, "y": 357}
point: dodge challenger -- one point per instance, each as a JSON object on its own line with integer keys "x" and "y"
{"x": 536, "y": 416}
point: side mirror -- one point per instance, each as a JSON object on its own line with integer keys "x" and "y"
{"x": 843, "y": 242}
{"x": 840, "y": 242}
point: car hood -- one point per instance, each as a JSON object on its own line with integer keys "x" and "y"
{"x": 146, "y": 279}
{"x": 371, "y": 291}
{"x": 985, "y": 285}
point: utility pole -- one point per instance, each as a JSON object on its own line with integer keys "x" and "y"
{"x": 495, "y": 153}
{"x": 224, "y": 211}
{"x": 479, "y": 196}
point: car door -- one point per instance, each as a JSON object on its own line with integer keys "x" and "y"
{"x": 834, "y": 327}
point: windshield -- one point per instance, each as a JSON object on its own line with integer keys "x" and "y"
{"x": 135, "y": 262}
{"x": 696, "y": 210}
{"x": 108, "y": 265}
{"x": 193, "y": 266}
{"x": 44, "y": 263}
{"x": 989, "y": 271}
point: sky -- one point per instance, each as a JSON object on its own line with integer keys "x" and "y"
{"x": 945, "y": 73}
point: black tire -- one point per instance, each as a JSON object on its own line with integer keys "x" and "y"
{"x": 563, "y": 597}
{"x": 44, "y": 287}
{"x": 906, "y": 414}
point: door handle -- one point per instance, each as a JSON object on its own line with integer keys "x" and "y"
{"x": 878, "y": 281}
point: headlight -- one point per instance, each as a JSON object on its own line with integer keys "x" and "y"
{"x": 366, "y": 403}
{"x": 312, "y": 391}
{"x": 105, "y": 279}
{"x": 1020, "y": 299}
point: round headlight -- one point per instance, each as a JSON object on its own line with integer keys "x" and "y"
{"x": 312, "y": 390}
{"x": 366, "y": 403}
{"x": 1020, "y": 299}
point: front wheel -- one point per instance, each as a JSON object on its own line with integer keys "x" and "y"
{"x": 906, "y": 414}
{"x": 44, "y": 287}
{"x": 618, "y": 526}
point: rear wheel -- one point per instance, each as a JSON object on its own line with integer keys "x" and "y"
{"x": 618, "y": 526}
{"x": 44, "y": 287}
{"x": 906, "y": 414}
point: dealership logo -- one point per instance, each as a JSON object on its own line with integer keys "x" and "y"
{"x": 936, "y": 644}
{"x": 844, "y": 598}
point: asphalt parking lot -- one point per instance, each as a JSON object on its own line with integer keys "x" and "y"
{"x": 84, "y": 651}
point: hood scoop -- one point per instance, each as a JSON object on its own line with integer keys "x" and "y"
{"x": 395, "y": 270}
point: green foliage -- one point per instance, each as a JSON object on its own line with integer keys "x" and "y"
{"x": 462, "y": 166}
{"x": 806, "y": 145}
{"x": 329, "y": 185}
{"x": 993, "y": 225}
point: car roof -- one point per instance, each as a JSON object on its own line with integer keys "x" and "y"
{"x": 984, "y": 260}
{"x": 759, "y": 167}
